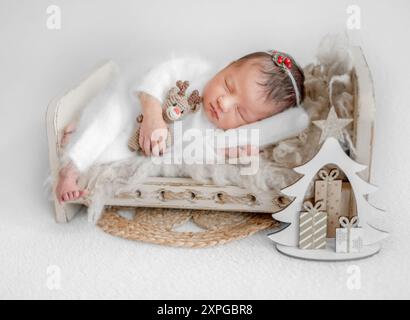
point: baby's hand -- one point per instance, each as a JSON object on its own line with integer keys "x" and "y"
{"x": 239, "y": 151}
{"x": 153, "y": 135}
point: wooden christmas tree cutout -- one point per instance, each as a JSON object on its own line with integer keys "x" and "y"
{"x": 287, "y": 237}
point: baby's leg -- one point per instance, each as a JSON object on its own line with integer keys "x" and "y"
{"x": 67, "y": 187}
{"x": 100, "y": 123}
{"x": 68, "y": 131}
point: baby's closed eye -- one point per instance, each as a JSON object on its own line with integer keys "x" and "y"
{"x": 241, "y": 113}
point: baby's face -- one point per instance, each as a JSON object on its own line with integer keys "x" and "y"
{"x": 233, "y": 97}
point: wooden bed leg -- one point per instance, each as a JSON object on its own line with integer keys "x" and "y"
{"x": 65, "y": 212}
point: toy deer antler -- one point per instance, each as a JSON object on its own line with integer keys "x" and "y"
{"x": 194, "y": 99}
{"x": 182, "y": 86}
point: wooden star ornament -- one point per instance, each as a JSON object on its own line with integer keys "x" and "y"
{"x": 332, "y": 126}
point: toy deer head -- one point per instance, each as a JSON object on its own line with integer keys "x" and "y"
{"x": 177, "y": 103}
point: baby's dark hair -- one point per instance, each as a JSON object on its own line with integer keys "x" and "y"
{"x": 276, "y": 82}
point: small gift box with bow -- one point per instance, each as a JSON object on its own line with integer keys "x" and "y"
{"x": 329, "y": 190}
{"x": 349, "y": 238}
{"x": 312, "y": 226}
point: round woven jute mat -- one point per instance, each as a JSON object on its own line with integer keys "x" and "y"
{"x": 157, "y": 225}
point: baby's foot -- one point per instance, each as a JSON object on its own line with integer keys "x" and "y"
{"x": 68, "y": 130}
{"x": 67, "y": 188}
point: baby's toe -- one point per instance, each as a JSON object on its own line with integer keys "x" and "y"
{"x": 65, "y": 196}
{"x": 76, "y": 194}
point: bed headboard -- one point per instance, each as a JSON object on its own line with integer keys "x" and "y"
{"x": 65, "y": 109}
{"x": 365, "y": 108}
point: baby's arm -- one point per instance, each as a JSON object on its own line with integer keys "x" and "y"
{"x": 281, "y": 126}
{"x": 233, "y": 144}
{"x": 153, "y": 129}
{"x": 151, "y": 91}
{"x": 239, "y": 151}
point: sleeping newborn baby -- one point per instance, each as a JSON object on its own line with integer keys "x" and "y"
{"x": 256, "y": 91}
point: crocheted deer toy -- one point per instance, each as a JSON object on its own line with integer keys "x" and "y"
{"x": 176, "y": 105}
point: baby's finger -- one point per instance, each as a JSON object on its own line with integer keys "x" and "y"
{"x": 242, "y": 151}
{"x": 253, "y": 150}
{"x": 155, "y": 148}
{"x": 162, "y": 147}
{"x": 147, "y": 147}
{"x": 141, "y": 141}
{"x": 231, "y": 152}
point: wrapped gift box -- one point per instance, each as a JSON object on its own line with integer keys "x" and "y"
{"x": 312, "y": 226}
{"x": 329, "y": 190}
{"x": 338, "y": 199}
{"x": 347, "y": 209}
{"x": 349, "y": 238}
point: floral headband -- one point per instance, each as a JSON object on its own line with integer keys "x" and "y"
{"x": 285, "y": 63}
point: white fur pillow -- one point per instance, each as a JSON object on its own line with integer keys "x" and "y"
{"x": 286, "y": 124}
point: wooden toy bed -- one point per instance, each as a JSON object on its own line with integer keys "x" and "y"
{"x": 165, "y": 192}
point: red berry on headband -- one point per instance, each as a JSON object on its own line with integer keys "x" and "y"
{"x": 287, "y": 61}
{"x": 280, "y": 59}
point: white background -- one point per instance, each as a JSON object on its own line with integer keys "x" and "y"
{"x": 37, "y": 64}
